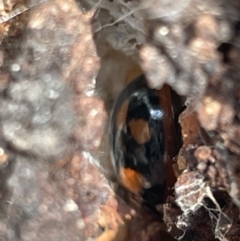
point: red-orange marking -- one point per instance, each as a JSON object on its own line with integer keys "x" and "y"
{"x": 132, "y": 180}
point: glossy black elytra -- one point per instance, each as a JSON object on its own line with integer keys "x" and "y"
{"x": 138, "y": 141}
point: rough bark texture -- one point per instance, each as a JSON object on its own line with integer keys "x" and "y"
{"x": 51, "y": 185}
{"x": 52, "y": 122}
{"x": 195, "y": 45}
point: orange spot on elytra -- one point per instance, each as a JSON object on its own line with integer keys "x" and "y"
{"x": 131, "y": 179}
{"x": 140, "y": 130}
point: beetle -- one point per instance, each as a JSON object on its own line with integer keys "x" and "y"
{"x": 139, "y": 141}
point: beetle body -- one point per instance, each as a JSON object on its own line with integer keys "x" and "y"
{"x": 137, "y": 141}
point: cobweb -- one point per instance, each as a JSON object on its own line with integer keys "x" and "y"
{"x": 117, "y": 24}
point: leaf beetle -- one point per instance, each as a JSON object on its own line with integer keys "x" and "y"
{"x": 142, "y": 130}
